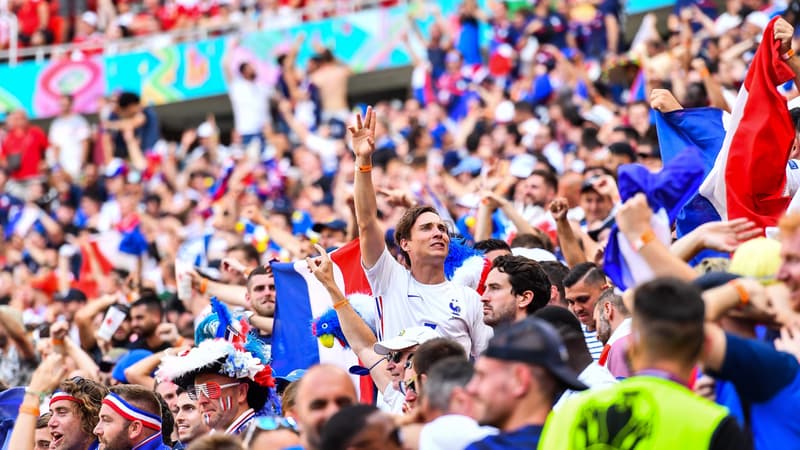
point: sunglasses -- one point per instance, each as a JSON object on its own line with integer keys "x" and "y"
{"x": 269, "y": 423}
{"x": 211, "y": 390}
{"x": 396, "y": 357}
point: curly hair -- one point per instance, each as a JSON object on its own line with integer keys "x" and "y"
{"x": 90, "y": 396}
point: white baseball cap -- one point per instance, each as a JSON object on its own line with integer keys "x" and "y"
{"x": 406, "y": 339}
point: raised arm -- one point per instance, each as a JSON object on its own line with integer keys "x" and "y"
{"x": 85, "y": 316}
{"x": 567, "y": 241}
{"x": 16, "y": 332}
{"x": 357, "y": 332}
{"x": 633, "y": 220}
{"x": 369, "y": 230}
{"x": 784, "y": 32}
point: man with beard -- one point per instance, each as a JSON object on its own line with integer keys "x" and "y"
{"x": 613, "y": 330}
{"x": 130, "y": 419}
{"x": 188, "y": 420}
{"x": 146, "y": 314}
{"x": 583, "y": 286}
{"x": 538, "y": 190}
{"x": 517, "y": 380}
{"x": 260, "y": 299}
{"x": 515, "y": 288}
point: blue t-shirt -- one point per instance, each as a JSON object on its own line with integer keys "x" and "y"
{"x": 524, "y": 438}
{"x": 469, "y": 44}
{"x": 769, "y": 382}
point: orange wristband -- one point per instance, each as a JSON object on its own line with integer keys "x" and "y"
{"x": 788, "y": 54}
{"x": 704, "y": 73}
{"x": 179, "y": 342}
{"x": 366, "y": 168}
{"x": 341, "y": 303}
{"x": 203, "y": 285}
{"x": 744, "y": 297}
{"x": 646, "y": 238}
{"x": 32, "y": 410}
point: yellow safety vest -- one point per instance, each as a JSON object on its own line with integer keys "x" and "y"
{"x": 639, "y": 413}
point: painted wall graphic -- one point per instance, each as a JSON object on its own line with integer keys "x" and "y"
{"x": 368, "y": 40}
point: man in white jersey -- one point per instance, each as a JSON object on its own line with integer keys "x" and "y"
{"x": 421, "y": 295}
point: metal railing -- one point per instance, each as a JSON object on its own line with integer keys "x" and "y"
{"x": 159, "y": 40}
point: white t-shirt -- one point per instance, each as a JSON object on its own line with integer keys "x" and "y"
{"x": 595, "y": 376}
{"x": 249, "y": 103}
{"x": 452, "y": 310}
{"x": 69, "y": 133}
{"x": 391, "y": 400}
{"x": 452, "y": 432}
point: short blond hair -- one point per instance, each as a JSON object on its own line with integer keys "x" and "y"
{"x": 789, "y": 224}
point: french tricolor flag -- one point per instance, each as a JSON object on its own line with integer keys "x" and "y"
{"x": 749, "y": 175}
{"x": 300, "y": 297}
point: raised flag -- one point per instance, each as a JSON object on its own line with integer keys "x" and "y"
{"x": 704, "y": 129}
{"x": 667, "y": 191}
{"x": 749, "y": 175}
{"x": 300, "y": 298}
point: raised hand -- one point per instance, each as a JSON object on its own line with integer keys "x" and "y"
{"x": 559, "y": 208}
{"x": 727, "y": 236}
{"x": 633, "y": 217}
{"x": 783, "y": 31}
{"x": 232, "y": 265}
{"x": 49, "y": 374}
{"x": 663, "y": 100}
{"x": 398, "y": 197}
{"x": 321, "y": 266}
{"x": 363, "y": 134}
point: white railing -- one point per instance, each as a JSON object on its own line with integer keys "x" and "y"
{"x": 159, "y": 40}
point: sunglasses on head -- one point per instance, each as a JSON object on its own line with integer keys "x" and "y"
{"x": 211, "y": 390}
{"x": 269, "y": 423}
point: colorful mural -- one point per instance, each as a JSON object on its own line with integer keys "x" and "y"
{"x": 368, "y": 40}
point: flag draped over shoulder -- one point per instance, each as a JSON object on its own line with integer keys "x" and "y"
{"x": 300, "y": 297}
{"x": 749, "y": 175}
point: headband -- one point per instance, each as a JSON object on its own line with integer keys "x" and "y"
{"x": 61, "y": 395}
{"x": 131, "y": 412}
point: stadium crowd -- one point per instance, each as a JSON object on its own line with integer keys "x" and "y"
{"x": 97, "y": 23}
{"x": 514, "y": 219}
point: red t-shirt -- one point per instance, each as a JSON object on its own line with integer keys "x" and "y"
{"x": 31, "y": 143}
{"x": 28, "y": 17}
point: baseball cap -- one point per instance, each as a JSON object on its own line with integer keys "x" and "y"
{"x": 534, "y": 341}
{"x": 470, "y": 164}
{"x": 282, "y": 382}
{"x": 72, "y": 295}
{"x": 522, "y": 165}
{"x": 407, "y": 338}
{"x": 335, "y": 224}
{"x": 535, "y": 254}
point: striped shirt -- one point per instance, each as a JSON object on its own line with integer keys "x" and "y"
{"x": 595, "y": 346}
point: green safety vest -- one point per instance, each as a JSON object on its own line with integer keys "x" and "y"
{"x": 639, "y": 413}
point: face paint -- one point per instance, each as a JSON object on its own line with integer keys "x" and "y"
{"x": 229, "y": 402}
